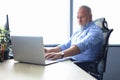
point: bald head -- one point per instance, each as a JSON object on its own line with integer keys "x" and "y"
{"x": 84, "y": 15}
{"x": 88, "y": 9}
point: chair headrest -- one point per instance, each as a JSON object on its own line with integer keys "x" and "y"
{"x": 102, "y": 23}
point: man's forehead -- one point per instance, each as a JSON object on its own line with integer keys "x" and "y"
{"x": 81, "y": 9}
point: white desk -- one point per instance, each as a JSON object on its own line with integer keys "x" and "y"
{"x": 12, "y": 70}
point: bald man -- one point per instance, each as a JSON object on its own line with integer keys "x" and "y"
{"x": 85, "y": 44}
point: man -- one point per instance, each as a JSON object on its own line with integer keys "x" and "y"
{"x": 85, "y": 44}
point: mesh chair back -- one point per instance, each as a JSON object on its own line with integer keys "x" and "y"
{"x": 102, "y": 23}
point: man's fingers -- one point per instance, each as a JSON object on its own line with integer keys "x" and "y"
{"x": 49, "y": 55}
{"x": 56, "y": 56}
{"x": 46, "y": 50}
{"x": 53, "y": 56}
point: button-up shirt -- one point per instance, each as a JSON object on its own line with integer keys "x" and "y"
{"x": 89, "y": 40}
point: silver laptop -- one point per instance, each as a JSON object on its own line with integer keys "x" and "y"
{"x": 30, "y": 49}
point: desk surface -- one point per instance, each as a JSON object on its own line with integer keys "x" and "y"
{"x": 67, "y": 70}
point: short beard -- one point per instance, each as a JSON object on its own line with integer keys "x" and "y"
{"x": 82, "y": 25}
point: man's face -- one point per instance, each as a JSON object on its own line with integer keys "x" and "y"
{"x": 83, "y": 16}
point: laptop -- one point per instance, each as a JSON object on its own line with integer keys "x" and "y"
{"x": 30, "y": 49}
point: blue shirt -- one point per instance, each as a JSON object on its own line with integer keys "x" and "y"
{"x": 89, "y": 40}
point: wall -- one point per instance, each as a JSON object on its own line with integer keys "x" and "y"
{"x": 113, "y": 64}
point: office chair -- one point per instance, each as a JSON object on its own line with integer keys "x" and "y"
{"x": 98, "y": 67}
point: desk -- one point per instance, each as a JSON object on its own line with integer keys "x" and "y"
{"x": 67, "y": 70}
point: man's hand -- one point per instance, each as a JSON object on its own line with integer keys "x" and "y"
{"x": 46, "y": 50}
{"x": 53, "y": 56}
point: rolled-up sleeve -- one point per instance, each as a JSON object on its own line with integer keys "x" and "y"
{"x": 65, "y": 45}
{"x": 93, "y": 37}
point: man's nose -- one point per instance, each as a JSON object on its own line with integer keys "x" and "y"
{"x": 79, "y": 20}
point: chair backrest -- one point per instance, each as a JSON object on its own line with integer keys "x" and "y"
{"x": 102, "y": 23}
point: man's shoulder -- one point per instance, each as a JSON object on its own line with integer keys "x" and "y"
{"x": 94, "y": 29}
{"x": 94, "y": 26}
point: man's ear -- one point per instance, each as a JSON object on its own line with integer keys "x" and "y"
{"x": 90, "y": 17}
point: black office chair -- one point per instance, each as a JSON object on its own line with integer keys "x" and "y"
{"x": 97, "y": 68}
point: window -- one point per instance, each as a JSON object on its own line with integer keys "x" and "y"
{"x": 102, "y": 8}
{"x": 47, "y": 18}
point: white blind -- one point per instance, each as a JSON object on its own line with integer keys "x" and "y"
{"x": 102, "y": 8}
{"x": 47, "y": 18}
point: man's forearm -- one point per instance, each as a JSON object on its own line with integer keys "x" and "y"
{"x": 73, "y": 50}
{"x": 55, "y": 49}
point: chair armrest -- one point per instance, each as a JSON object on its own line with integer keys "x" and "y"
{"x": 85, "y": 62}
{"x": 88, "y": 66}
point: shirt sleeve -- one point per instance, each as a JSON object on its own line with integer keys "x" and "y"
{"x": 68, "y": 43}
{"x": 65, "y": 45}
{"x": 92, "y": 39}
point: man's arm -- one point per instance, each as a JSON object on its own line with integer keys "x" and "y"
{"x": 55, "y": 49}
{"x": 73, "y": 50}
{"x": 59, "y": 48}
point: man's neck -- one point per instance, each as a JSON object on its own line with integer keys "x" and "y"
{"x": 86, "y": 25}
